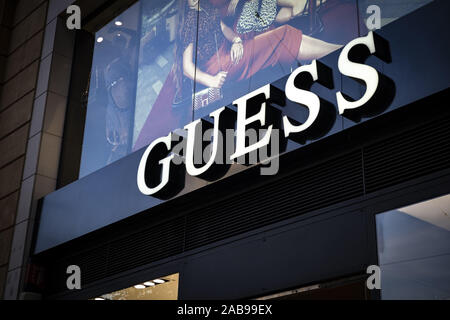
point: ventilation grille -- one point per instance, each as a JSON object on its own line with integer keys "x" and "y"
{"x": 410, "y": 155}
{"x": 406, "y": 156}
{"x": 304, "y": 191}
{"x": 156, "y": 243}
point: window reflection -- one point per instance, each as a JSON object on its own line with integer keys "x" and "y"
{"x": 112, "y": 91}
{"x": 414, "y": 251}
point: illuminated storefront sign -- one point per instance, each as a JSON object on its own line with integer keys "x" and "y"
{"x": 157, "y": 172}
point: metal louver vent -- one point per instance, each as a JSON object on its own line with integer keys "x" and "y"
{"x": 409, "y": 155}
{"x": 152, "y": 244}
{"x": 304, "y": 191}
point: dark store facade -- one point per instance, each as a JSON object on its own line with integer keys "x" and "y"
{"x": 354, "y": 91}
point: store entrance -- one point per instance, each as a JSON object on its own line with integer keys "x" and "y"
{"x": 164, "y": 288}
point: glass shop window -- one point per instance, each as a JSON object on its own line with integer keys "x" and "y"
{"x": 131, "y": 87}
{"x": 414, "y": 251}
{"x": 163, "y": 63}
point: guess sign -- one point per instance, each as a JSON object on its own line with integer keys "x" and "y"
{"x": 159, "y": 174}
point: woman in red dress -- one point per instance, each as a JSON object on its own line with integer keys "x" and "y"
{"x": 238, "y": 59}
{"x": 211, "y": 53}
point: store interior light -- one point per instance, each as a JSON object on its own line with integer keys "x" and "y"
{"x": 166, "y": 289}
{"x": 118, "y": 23}
{"x": 149, "y": 284}
{"x": 159, "y": 281}
{"x": 139, "y": 286}
{"x": 100, "y": 39}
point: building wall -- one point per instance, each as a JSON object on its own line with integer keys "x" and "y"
{"x": 34, "y": 77}
{"x": 35, "y": 67}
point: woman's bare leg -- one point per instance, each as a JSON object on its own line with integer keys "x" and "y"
{"x": 312, "y": 48}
